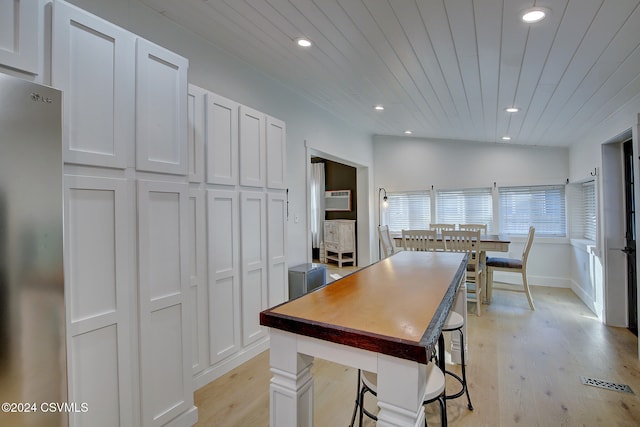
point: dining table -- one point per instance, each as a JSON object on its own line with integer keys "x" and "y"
{"x": 385, "y": 318}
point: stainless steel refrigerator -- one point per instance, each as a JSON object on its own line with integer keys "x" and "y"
{"x": 32, "y": 314}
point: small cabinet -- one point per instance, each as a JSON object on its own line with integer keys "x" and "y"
{"x": 252, "y": 147}
{"x": 161, "y": 110}
{"x": 19, "y": 35}
{"x": 340, "y": 241}
{"x": 93, "y": 62}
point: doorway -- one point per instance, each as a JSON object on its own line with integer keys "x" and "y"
{"x": 338, "y": 177}
{"x": 630, "y": 237}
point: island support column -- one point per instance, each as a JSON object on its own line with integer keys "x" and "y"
{"x": 401, "y": 392}
{"x": 291, "y": 389}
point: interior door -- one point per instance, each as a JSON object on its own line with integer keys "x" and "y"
{"x": 630, "y": 237}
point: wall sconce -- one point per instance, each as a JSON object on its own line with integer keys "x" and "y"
{"x": 384, "y": 202}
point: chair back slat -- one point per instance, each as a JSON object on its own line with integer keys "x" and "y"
{"x": 419, "y": 240}
{"x": 474, "y": 227}
{"x": 385, "y": 240}
{"x": 462, "y": 241}
{"x": 439, "y": 228}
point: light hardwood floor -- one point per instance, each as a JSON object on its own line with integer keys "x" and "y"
{"x": 524, "y": 369}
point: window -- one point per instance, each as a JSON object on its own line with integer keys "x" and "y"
{"x": 470, "y": 206}
{"x": 409, "y": 211}
{"x": 541, "y": 206}
{"x": 589, "y": 210}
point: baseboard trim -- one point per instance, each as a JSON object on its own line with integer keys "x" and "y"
{"x": 516, "y": 279}
{"x": 216, "y": 371}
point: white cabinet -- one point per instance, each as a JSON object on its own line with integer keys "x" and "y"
{"x": 93, "y": 62}
{"x": 222, "y": 140}
{"x": 277, "y": 248}
{"x": 19, "y": 34}
{"x": 340, "y": 239}
{"x": 246, "y": 229}
{"x": 276, "y": 154}
{"x": 224, "y": 274}
{"x": 196, "y": 116}
{"x": 97, "y": 280}
{"x": 253, "y": 247}
{"x": 252, "y": 147}
{"x": 161, "y": 110}
{"x": 165, "y": 359}
{"x": 129, "y": 315}
{"x": 197, "y": 241}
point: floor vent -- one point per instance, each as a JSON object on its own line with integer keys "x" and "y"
{"x": 606, "y": 384}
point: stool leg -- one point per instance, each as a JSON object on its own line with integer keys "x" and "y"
{"x": 355, "y": 408}
{"x": 443, "y": 411}
{"x": 464, "y": 371}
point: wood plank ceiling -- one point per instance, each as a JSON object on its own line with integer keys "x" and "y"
{"x": 441, "y": 68}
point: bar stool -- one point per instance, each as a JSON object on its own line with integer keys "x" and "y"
{"x": 455, "y": 322}
{"x": 368, "y": 381}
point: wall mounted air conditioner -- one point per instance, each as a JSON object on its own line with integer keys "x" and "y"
{"x": 337, "y": 200}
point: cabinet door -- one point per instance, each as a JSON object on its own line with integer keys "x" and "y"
{"x": 161, "y": 110}
{"x": 276, "y": 154}
{"x": 196, "y": 110}
{"x": 93, "y": 62}
{"x": 222, "y": 140}
{"x": 98, "y": 286}
{"x": 254, "y": 264}
{"x": 19, "y": 34}
{"x": 164, "y": 304}
{"x": 224, "y": 274}
{"x": 198, "y": 278}
{"x": 252, "y": 148}
{"x": 277, "y": 248}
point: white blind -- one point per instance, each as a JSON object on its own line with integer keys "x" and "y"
{"x": 409, "y": 211}
{"x": 589, "y": 210}
{"x": 470, "y": 206}
{"x": 540, "y": 206}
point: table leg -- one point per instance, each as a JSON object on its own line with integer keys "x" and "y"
{"x": 483, "y": 278}
{"x": 401, "y": 392}
{"x": 291, "y": 389}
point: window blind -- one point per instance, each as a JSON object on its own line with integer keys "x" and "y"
{"x": 540, "y": 206}
{"x": 589, "y": 210}
{"x": 469, "y": 206}
{"x": 409, "y": 211}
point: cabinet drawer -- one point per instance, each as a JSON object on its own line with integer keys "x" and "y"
{"x": 331, "y": 246}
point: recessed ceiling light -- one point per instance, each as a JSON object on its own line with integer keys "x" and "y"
{"x": 506, "y": 138}
{"x": 407, "y": 132}
{"x": 302, "y": 42}
{"x": 378, "y": 107}
{"x": 512, "y": 109}
{"x": 534, "y": 14}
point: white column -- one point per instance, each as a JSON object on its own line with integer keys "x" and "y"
{"x": 291, "y": 389}
{"x": 401, "y": 391}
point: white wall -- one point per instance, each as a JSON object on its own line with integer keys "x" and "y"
{"x": 600, "y": 275}
{"x": 404, "y": 164}
{"x": 219, "y": 72}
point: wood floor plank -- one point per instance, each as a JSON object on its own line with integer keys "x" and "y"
{"x": 524, "y": 369}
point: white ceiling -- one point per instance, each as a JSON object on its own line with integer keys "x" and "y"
{"x": 441, "y": 68}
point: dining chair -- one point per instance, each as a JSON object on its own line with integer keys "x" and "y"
{"x": 368, "y": 381}
{"x": 386, "y": 242}
{"x": 513, "y": 266}
{"x": 474, "y": 227}
{"x": 466, "y": 241}
{"x": 419, "y": 240}
{"x": 439, "y": 228}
